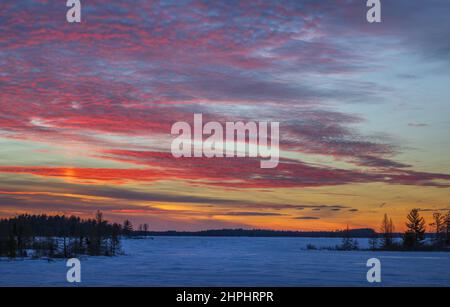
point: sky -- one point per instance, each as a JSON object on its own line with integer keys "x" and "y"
{"x": 87, "y": 109}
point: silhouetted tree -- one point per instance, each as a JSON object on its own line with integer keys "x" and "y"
{"x": 373, "y": 241}
{"x": 12, "y": 244}
{"x": 387, "y": 232}
{"x": 145, "y": 228}
{"x": 438, "y": 224}
{"x": 348, "y": 243}
{"x": 415, "y": 232}
{"x": 127, "y": 228}
{"x": 447, "y": 228}
{"x": 115, "y": 241}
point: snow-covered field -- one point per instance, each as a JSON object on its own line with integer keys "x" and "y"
{"x": 208, "y": 261}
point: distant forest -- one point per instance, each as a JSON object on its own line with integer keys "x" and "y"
{"x": 57, "y": 236}
{"x": 354, "y": 233}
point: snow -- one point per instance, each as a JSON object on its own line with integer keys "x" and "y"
{"x": 234, "y": 261}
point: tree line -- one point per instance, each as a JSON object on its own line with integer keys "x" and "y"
{"x": 355, "y": 233}
{"x": 414, "y": 238}
{"x": 60, "y": 236}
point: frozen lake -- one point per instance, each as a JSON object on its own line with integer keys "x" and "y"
{"x": 234, "y": 261}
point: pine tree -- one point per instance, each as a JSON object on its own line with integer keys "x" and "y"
{"x": 12, "y": 245}
{"x": 127, "y": 228}
{"x": 373, "y": 241}
{"x": 415, "y": 233}
{"x": 348, "y": 243}
{"x": 115, "y": 242}
{"x": 100, "y": 235}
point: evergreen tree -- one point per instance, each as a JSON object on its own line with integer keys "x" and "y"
{"x": 12, "y": 244}
{"x": 415, "y": 233}
{"x": 373, "y": 241}
{"x": 127, "y": 228}
{"x": 348, "y": 243}
{"x": 115, "y": 242}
